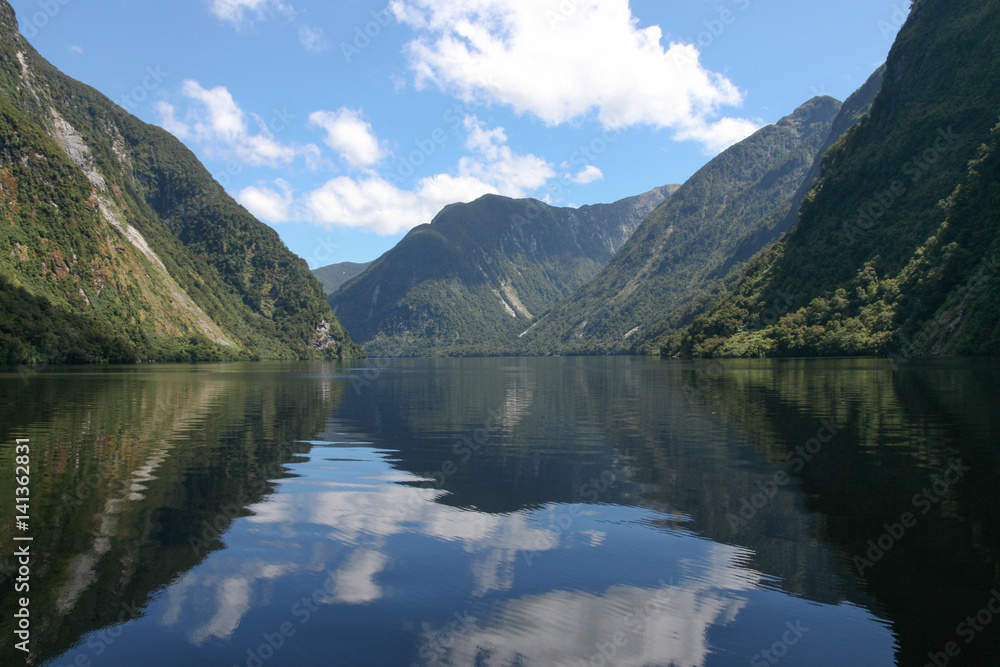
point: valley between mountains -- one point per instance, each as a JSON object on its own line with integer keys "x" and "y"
{"x": 862, "y": 227}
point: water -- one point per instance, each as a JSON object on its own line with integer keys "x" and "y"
{"x": 508, "y": 512}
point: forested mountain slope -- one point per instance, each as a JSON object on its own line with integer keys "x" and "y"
{"x": 117, "y": 245}
{"x": 332, "y": 277}
{"x": 480, "y": 273}
{"x": 895, "y": 250}
{"x": 686, "y": 244}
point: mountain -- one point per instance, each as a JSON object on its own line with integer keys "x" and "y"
{"x": 335, "y": 275}
{"x": 476, "y": 276}
{"x": 687, "y": 243}
{"x": 118, "y": 246}
{"x": 897, "y": 250}
{"x": 783, "y": 218}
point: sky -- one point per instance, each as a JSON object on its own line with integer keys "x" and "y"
{"x": 343, "y": 124}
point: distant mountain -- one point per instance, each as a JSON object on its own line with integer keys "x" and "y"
{"x": 480, "y": 273}
{"x": 335, "y": 275}
{"x": 117, "y": 244}
{"x": 897, "y": 250}
{"x": 687, "y": 244}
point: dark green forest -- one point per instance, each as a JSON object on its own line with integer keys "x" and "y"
{"x": 895, "y": 252}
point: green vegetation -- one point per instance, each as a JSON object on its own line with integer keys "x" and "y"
{"x": 685, "y": 251}
{"x": 896, "y": 251}
{"x": 475, "y": 278}
{"x": 80, "y": 181}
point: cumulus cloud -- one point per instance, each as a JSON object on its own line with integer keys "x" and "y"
{"x": 217, "y": 122}
{"x": 565, "y": 61}
{"x": 375, "y": 204}
{"x": 349, "y": 135}
{"x": 241, "y": 11}
{"x": 588, "y": 175}
{"x": 268, "y": 203}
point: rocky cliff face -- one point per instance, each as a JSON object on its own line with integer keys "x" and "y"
{"x": 119, "y": 246}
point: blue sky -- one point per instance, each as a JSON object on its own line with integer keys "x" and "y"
{"x": 345, "y": 123}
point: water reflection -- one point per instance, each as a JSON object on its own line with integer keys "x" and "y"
{"x": 130, "y": 468}
{"x": 506, "y": 512}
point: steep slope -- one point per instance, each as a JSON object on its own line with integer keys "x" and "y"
{"x": 784, "y": 218}
{"x": 119, "y": 246}
{"x": 335, "y": 275}
{"x": 895, "y": 249}
{"x": 476, "y": 277}
{"x": 686, "y": 243}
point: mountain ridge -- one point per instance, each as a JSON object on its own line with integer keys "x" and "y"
{"x": 125, "y": 247}
{"x": 475, "y": 277}
{"x": 669, "y": 261}
{"x": 892, "y": 197}
{"x": 333, "y": 276}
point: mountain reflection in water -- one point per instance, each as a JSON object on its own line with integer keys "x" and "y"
{"x": 505, "y": 512}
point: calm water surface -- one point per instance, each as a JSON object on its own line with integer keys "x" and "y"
{"x": 569, "y": 512}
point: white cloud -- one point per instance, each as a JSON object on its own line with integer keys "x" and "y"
{"x": 240, "y": 11}
{"x": 565, "y": 61}
{"x": 169, "y": 122}
{"x": 375, "y": 204}
{"x": 217, "y": 122}
{"x": 350, "y": 135}
{"x": 267, "y": 203}
{"x": 719, "y": 135}
{"x": 570, "y": 627}
{"x": 313, "y": 39}
{"x": 588, "y": 175}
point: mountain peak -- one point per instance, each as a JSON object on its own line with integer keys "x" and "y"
{"x": 8, "y": 20}
{"x": 477, "y": 277}
{"x": 821, "y": 109}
